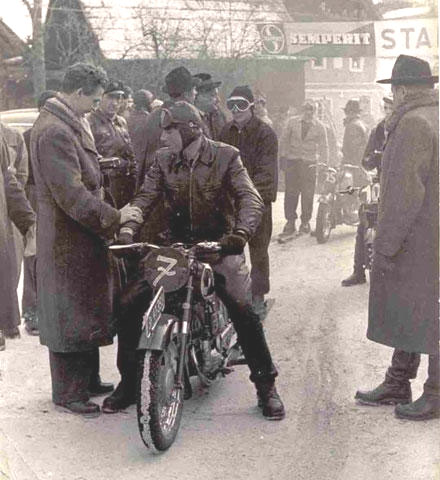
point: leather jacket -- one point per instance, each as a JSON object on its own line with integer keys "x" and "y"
{"x": 208, "y": 197}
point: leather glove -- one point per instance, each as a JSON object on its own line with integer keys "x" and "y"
{"x": 382, "y": 264}
{"x": 233, "y": 243}
{"x": 125, "y": 236}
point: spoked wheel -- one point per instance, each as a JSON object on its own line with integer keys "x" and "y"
{"x": 323, "y": 223}
{"x": 159, "y": 402}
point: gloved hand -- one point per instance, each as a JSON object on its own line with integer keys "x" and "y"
{"x": 233, "y": 243}
{"x": 125, "y": 236}
{"x": 382, "y": 264}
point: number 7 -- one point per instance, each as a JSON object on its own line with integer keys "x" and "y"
{"x": 165, "y": 271}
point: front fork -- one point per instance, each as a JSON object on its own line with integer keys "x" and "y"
{"x": 184, "y": 333}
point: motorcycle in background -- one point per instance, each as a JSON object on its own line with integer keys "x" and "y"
{"x": 186, "y": 332}
{"x": 334, "y": 207}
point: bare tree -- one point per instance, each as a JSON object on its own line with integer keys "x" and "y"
{"x": 35, "y": 9}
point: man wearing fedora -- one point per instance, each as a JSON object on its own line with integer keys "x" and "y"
{"x": 355, "y": 134}
{"x": 403, "y": 305}
{"x": 208, "y": 102}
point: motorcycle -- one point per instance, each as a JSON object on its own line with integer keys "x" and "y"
{"x": 186, "y": 332}
{"x": 334, "y": 207}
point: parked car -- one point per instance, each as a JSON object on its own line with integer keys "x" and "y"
{"x": 22, "y": 119}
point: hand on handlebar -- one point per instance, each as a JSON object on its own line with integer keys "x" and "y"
{"x": 233, "y": 243}
{"x": 130, "y": 213}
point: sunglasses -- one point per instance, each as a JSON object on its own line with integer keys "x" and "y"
{"x": 238, "y": 104}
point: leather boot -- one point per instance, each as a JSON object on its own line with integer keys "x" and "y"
{"x": 269, "y": 400}
{"x": 387, "y": 393}
{"x": 119, "y": 400}
{"x": 97, "y": 387}
{"x": 356, "y": 278}
{"x": 425, "y": 407}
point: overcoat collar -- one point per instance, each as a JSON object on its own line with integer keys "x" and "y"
{"x": 56, "y": 106}
{"x": 421, "y": 99}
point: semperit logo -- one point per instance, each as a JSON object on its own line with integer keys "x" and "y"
{"x": 272, "y": 38}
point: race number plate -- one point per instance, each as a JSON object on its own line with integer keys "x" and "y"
{"x": 167, "y": 268}
{"x": 152, "y": 315}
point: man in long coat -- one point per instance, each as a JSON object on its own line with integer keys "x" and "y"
{"x": 74, "y": 274}
{"x": 403, "y": 306}
{"x": 13, "y": 206}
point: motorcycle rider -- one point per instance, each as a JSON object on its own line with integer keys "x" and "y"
{"x": 211, "y": 198}
{"x": 370, "y": 161}
{"x": 112, "y": 140}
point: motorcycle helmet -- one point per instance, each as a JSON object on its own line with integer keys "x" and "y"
{"x": 186, "y": 118}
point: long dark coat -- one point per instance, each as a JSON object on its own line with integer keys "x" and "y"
{"x": 74, "y": 268}
{"x": 13, "y": 206}
{"x": 403, "y": 306}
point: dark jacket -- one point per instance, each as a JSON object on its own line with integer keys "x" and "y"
{"x": 258, "y": 145}
{"x": 137, "y": 128}
{"x": 215, "y": 121}
{"x": 13, "y": 206}
{"x": 212, "y": 197}
{"x": 373, "y": 151}
{"x": 354, "y": 141}
{"x": 74, "y": 268}
{"x": 403, "y": 306}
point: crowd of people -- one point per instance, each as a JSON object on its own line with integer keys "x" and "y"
{"x": 111, "y": 165}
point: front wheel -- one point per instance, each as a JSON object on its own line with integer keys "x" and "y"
{"x": 323, "y": 223}
{"x": 159, "y": 402}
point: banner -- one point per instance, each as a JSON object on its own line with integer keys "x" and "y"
{"x": 417, "y": 37}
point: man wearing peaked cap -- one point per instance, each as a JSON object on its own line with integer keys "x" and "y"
{"x": 208, "y": 102}
{"x": 403, "y": 305}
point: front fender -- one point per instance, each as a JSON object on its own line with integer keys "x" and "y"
{"x": 161, "y": 334}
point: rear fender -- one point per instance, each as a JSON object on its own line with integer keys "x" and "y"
{"x": 161, "y": 334}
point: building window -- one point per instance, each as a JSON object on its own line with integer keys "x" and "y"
{"x": 319, "y": 63}
{"x": 338, "y": 63}
{"x": 356, "y": 64}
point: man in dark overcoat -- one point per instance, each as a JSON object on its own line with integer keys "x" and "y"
{"x": 74, "y": 273}
{"x": 13, "y": 206}
{"x": 403, "y": 305}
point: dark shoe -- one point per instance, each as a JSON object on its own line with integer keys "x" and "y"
{"x": 425, "y": 407}
{"x": 118, "y": 400}
{"x": 13, "y": 333}
{"x": 289, "y": 228}
{"x": 2, "y": 341}
{"x": 304, "y": 227}
{"x": 97, "y": 388}
{"x": 270, "y": 401}
{"x": 86, "y": 409}
{"x": 354, "y": 279}
{"x": 31, "y": 323}
{"x": 386, "y": 393}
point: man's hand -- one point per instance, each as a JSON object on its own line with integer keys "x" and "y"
{"x": 125, "y": 236}
{"x": 130, "y": 214}
{"x": 233, "y": 244}
{"x": 382, "y": 264}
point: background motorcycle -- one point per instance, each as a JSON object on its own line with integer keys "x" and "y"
{"x": 334, "y": 207}
{"x": 186, "y": 332}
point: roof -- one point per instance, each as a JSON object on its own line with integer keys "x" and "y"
{"x": 181, "y": 28}
{"x": 10, "y": 44}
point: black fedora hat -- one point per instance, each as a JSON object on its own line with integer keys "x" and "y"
{"x": 179, "y": 81}
{"x": 206, "y": 82}
{"x": 409, "y": 70}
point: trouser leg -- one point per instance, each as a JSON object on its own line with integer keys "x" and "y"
{"x": 308, "y": 180}
{"x": 233, "y": 287}
{"x": 259, "y": 254}
{"x": 70, "y": 373}
{"x": 432, "y": 384}
{"x": 131, "y": 306}
{"x": 29, "y": 298}
{"x": 404, "y": 366}
{"x": 293, "y": 182}
{"x": 359, "y": 250}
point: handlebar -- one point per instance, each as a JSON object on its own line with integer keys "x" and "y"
{"x": 201, "y": 247}
{"x": 112, "y": 163}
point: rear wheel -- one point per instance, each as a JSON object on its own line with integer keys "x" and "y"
{"x": 159, "y": 402}
{"x": 323, "y": 223}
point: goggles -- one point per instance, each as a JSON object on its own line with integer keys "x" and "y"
{"x": 238, "y": 104}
